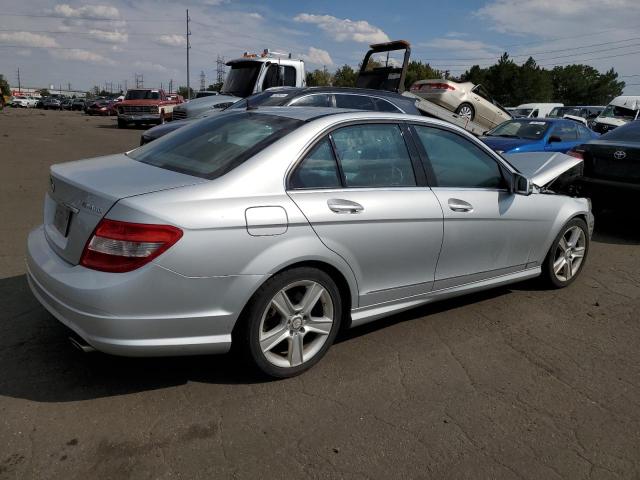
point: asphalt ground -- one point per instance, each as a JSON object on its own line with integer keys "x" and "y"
{"x": 517, "y": 382}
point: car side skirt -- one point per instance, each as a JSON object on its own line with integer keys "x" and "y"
{"x": 360, "y": 316}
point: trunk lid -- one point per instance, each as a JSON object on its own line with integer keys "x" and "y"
{"x": 542, "y": 168}
{"x": 612, "y": 160}
{"x": 82, "y": 192}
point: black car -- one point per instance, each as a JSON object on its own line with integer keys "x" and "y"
{"x": 77, "y": 104}
{"x": 612, "y": 165}
{"x": 337, "y": 97}
{"x": 52, "y": 103}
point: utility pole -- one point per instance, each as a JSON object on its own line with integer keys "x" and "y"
{"x": 171, "y": 85}
{"x": 125, "y": 86}
{"x": 139, "y": 80}
{"x": 188, "y": 48}
{"x": 69, "y": 86}
{"x": 19, "y": 86}
{"x": 203, "y": 81}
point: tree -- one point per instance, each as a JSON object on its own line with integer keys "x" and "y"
{"x": 584, "y": 85}
{"x": 215, "y": 87}
{"x": 345, "y": 76}
{"x": 318, "y": 78}
{"x": 5, "y": 90}
{"x": 44, "y": 92}
{"x": 182, "y": 91}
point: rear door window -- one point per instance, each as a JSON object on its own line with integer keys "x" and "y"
{"x": 319, "y": 100}
{"x": 374, "y": 155}
{"x": 385, "y": 106}
{"x": 318, "y": 169}
{"x": 566, "y": 133}
{"x": 356, "y": 102}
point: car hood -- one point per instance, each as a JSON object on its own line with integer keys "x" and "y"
{"x": 505, "y": 144}
{"x": 208, "y": 102}
{"x": 542, "y": 168}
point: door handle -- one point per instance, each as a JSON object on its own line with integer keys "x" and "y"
{"x": 338, "y": 205}
{"x": 458, "y": 205}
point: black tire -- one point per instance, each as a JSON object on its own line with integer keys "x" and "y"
{"x": 549, "y": 277}
{"x": 246, "y": 335}
{"x": 122, "y": 123}
{"x": 469, "y": 106}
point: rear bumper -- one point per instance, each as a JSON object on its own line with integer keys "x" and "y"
{"x": 151, "y": 311}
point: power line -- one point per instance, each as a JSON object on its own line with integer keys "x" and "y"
{"x": 61, "y": 32}
{"x": 93, "y": 19}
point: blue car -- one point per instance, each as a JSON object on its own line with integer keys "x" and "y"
{"x": 537, "y": 135}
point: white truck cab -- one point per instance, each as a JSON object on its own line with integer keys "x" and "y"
{"x": 534, "y": 110}
{"x": 620, "y": 110}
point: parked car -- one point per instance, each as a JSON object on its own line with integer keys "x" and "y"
{"x": 466, "y": 99}
{"x": 353, "y": 98}
{"x": 612, "y": 166}
{"x": 52, "y": 103}
{"x": 537, "y": 135}
{"x": 535, "y": 110}
{"x": 102, "y": 107}
{"x": 146, "y": 106}
{"x": 66, "y": 104}
{"x": 23, "y": 101}
{"x": 621, "y": 110}
{"x": 78, "y": 104}
{"x": 315, "y": 221}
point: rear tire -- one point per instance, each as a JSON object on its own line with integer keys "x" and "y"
{"x": 567, "y": 255}
{"x": 466, "y": 110}
{"x": 290, "y": 322}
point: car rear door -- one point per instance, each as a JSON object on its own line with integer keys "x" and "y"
{"x": 363, "y": 190}
{"x": 487, "y": 229}
{"x": 567, "y": 133}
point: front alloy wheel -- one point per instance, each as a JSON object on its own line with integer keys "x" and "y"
{"x": 567, "y": 254}
{"x": 291, "y": 322}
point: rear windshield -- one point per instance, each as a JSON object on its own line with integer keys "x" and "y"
{"x": 618, "y": 112}
{"x": 213, "y": 146}
{"x": 520, "y": 129}
{"x": 142, "y": 95}
{"x": 626, "y": 133}
{"x": 276, "y": 98}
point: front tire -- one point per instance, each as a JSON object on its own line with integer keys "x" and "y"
{"x": 567, "y": 254}
{"x": 466, "y": 111}
{"x": 290, "y": 322}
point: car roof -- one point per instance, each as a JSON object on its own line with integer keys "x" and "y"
{"x": 352, "y": 90}
{"x": 543, "y": 119}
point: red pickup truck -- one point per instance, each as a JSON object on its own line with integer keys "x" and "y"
{"x": 146, "y": 105}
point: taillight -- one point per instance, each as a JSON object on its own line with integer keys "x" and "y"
{"x": 576, "y": 153}
{"x": 122, "y": 246}
{"x": 437, "y": 86}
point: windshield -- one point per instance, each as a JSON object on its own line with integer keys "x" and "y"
{"x": 520, "y": 129}
{"x": 142, "y": 95}
{"x": 213, "y": 146}
{"x": 241, "y": 78}
{"x": 618, "y": 112}
{"x": 558, "y": 112}
{"x": 521, "y": 112}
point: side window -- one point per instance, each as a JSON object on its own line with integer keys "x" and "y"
{"x": 457, "y": 162}
{"x": 566, "y": 133}
{"x": 318, "y": 169}
{"x": 272, "y": 77}
{"x": 583, "y": 132}
{"x": 356, "y": 102}
{"x": 534, "y": 114}
{"x": 385, "y": 106}
{"x": 321, "y": 100}
{"x": 374, "y": 155}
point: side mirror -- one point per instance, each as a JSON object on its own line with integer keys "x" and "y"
{"x": 554, "y": 139}
{"x": 521, "y": 185}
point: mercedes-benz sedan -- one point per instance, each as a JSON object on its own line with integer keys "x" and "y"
{"x": 270, "y": 229}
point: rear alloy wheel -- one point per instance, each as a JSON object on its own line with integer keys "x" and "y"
{"x": 291, "y": 322}
{"x": 567, "y": 254}
{"x": 466, "y": 111}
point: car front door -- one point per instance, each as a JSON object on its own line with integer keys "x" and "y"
{"x": 366, "y": 197}
{"x": 484, "y": 109}
{"x": 487, "y": 229}
{"x": 562, "y": 137}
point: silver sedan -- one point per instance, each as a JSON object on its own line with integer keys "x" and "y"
{"x": 271, "y": 229}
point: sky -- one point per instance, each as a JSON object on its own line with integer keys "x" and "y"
{"x": 87, "y": 44}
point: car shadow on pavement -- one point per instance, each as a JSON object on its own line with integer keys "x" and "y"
{"x": 617, "y": 227}
{"x": 130, "y": 127}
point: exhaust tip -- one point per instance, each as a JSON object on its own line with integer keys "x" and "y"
{"x": 81, "y": 345}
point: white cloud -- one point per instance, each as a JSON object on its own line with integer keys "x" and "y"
{"x": 255, "y": 16}
{"x": 27, "y": 39}
{"x": 172, "y": 40}
{"x": 108, "y": 36}
{"x": 344, "y": 29}
{"x": 87, "y": 11}
{"x": 317, "y": 56}
{"x": 78, "y": 54}
{"x": 150, "y": 67}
